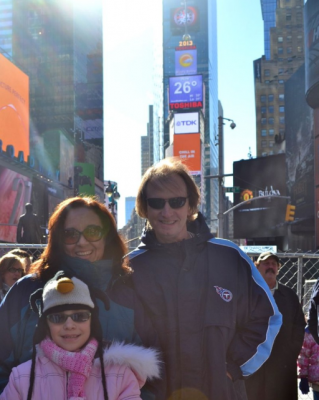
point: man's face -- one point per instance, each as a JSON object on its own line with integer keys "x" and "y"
{"x": 169, "y": 224}
{"x": 269, "y": 269}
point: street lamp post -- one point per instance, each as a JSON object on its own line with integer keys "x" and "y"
{"x": 221, "y": 174}
{"x": 113, "y": 195}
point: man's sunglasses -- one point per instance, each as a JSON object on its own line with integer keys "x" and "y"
{"x": 174, "y": 202}
{"x": 14, "y": 270}
{"x": 92, "y": 233}
{"x": 61, "y": 318}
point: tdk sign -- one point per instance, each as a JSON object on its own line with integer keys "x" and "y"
{"x": 186, "y": 123}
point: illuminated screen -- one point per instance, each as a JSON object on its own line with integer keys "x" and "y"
{"x": 186, "y": 123}
{"x": 186, "y": 91}
{"x": 84, "y": 181}
{"x": 180, "y": 18}
{"x": 14, "y": 107}
{"x": 187, "y": 148}
{"x": 14, "y": 194}
{"x": 186, "y": 62}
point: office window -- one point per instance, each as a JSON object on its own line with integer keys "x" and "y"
{"x": 289, "y": 38}
{"x": 264, "y": 154}
{"x": 267, "y": 82}
{"x": 281, "y": 109}
{"x": 289, "y": 50}
{"x": 299, "y": 37}
{"x": 299, "y": 49}
{"x": 271, "y": 132}
{"x": 281, "y": 97}
{"x": 267, "y": 72}
{"x": 271, "y": 153}
{"x": 280, "y": 71}
{"x": 281, "y": 81}
{"x": 288, "y": 17}
{"x": 271, "y": 143}
{"x": 270, "y": 121}
{"x": 264, "y": 143}
{"x": 282, "y": 120}
{"x": 264, "y": 132}
{"x": 271, "y": 109}
{"x": 280, "y": 50}
{"x": 270, "y": 98}
{"x": 263, "y": 98}
{"x": 280, "y": 39}
{"x": 263, "y": 110}
{"x": 263, "y": 121}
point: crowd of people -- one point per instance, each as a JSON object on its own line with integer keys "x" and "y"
{"x": 185, "y": 316}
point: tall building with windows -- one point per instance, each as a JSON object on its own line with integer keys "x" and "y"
{"x": 199, "y": 21}
{"x": 58, "y": 45}
{"x": 281, "y": 60}
{"x": 129, "y": 207}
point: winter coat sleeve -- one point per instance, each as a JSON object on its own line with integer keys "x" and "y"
{"x": 298, "y": 330}
{"x": 12, "y": 391}
{"x": 258, "y": 322}
{"x": 313, "y": 320}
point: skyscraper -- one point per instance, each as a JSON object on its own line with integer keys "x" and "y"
{"x": 196, "y": 18}
{"x": 284, "y": 47}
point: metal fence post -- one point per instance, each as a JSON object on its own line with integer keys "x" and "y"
{"x": 300, "y": 279}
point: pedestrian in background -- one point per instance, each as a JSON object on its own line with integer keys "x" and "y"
{"x": 213, "y": 312}
{"x": 11, "y": 269}
{"x": 69, "y": 357}
{"x": 29, "y": 230}
{"x": 277, "y": 377}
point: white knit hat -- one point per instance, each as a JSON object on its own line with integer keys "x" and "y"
{"x": 63, "y": 291}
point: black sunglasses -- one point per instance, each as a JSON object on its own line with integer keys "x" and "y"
{"x": 92, "y": 233}
{"x": 61, "y": 318}
{"x": 174, "y": 202}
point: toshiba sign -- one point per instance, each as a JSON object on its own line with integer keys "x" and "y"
{"x": 186, "y": 123}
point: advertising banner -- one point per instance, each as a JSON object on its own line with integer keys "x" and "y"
{"x": 92, "y": 128}
{"x": 186, "y": 123}
{"x": 257, "y": 70}
{"x": 181, "y": 17}
{"x": 311, "y": 18}
{"x": 257, "y": 178}
{"x": 185, "y": 62}
{"x": 188, "y": 149}
{"x": 84, "y": 181}
{"x": 14, "y": 194}
{"x": 14, "y": 108}
{"x": 186, "y": 92}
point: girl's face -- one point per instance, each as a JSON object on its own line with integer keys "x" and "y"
{"x": 69, "y": 335}
{"x": 13, "y": 274}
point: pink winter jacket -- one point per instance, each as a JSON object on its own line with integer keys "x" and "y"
{"x": 126, "y": 368}
{"x": 308, "y": 360}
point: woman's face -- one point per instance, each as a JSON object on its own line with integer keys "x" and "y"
{"x": 80, "y": 219}
{"x": 13, "y": 274}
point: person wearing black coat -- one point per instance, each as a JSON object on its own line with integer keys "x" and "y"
{"x": 277, "y": 378}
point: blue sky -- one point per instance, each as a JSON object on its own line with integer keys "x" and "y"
{"x": 128, "y": 64}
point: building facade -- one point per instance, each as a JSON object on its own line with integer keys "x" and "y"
{"x": 196, "y": 18}
{"x": 270, "y": 74}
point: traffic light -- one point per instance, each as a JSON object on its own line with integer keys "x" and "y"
{"x": 290, "y": 212}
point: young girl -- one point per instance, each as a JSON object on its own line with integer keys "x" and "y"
{"x": 69, "y": 360}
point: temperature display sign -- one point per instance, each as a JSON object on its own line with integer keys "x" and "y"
{"x": 185, "y": 92}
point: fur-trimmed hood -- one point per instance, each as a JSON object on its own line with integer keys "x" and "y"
{"x": 144, "y": 362}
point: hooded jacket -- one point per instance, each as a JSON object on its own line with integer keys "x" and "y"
{"x": 126, "y": 369}
{"x": 211, "y": 308}
{"x": 124, "y": 321}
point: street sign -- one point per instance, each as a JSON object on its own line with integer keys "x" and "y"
{"x": 234, "y": 189}
{"x": 259, "y": 249}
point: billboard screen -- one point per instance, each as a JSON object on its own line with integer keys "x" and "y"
{"x": 181, "y": 17}
{"x": 186, "y": 92}
{"x": 186, "y": 123}
{"x": 14, "y": 107}
{"x": 185, "y": 62}
{"x": 84, "y": 181}
{"x": 258, "y": 178}
{"x": 14, "y": 194}
{"x": 188, "y": 149}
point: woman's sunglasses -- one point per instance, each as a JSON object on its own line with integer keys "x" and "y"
{"x": 174, "y": 202}
{"x": 92, "y": 233}
{"x": 14, "y": 270}
{"x": 61, "y": 318}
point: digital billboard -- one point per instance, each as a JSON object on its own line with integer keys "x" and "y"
{"x": 188, "y": 149}
{"x": 185, "y": 62}
{"x": 186, "y": 92}
{"x": 181, "y": 17}
{"x": 186, "y": 123}
{"x": 258, "y": 178}
{"x": 84, "y": 181}
{"x": 14, "y": 194}
{"x": 14, "y": 108}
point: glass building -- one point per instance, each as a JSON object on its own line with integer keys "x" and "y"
{"x": 268, "y": 9}
{"x": 204, "y": 36}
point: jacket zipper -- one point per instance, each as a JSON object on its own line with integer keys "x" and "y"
{"x": 67, "y": 384}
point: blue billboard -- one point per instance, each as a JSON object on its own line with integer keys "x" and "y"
{"x": 186, "y": 62}
{"x": 186, "y": 92}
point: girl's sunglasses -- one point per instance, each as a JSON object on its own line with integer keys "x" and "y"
{"x": 14, "y": 270}
{"x": 61, "y": 318}
{"x": 92, "y": 233}
{"x": 174, "y": 202}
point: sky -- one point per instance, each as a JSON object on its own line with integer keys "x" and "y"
{"x": 128, "y": 67}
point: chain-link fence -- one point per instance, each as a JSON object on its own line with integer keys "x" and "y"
{"x": 299, "y": 271}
